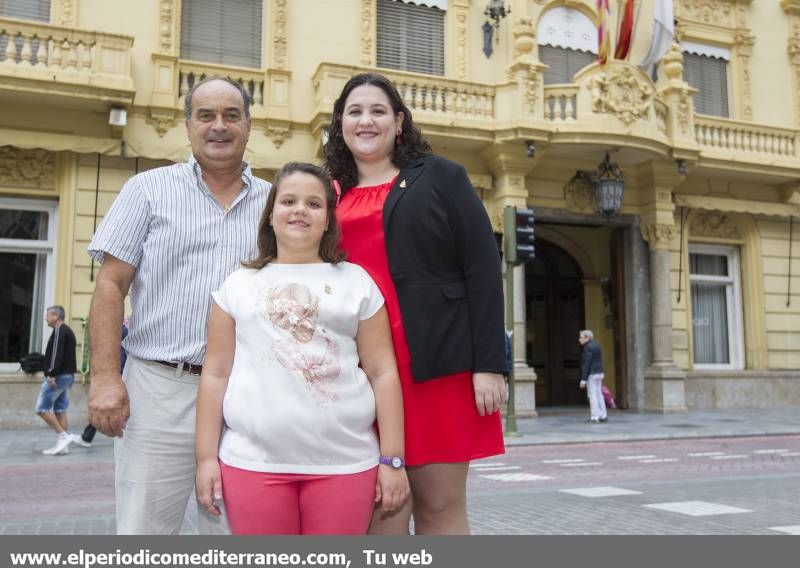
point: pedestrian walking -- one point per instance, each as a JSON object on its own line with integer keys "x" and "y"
{"x": 171, "y": 237}
{"x": 592, "y": 376}
{"x": 299, "y": 453}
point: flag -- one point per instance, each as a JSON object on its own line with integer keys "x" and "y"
{"x": 603, "y": 44}
{"x": 625, "y": 30}
{"x": 663, "y": 33}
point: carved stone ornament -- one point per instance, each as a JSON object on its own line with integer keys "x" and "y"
{"x": 684, "y": 110}
{"x": 166, "y": 19}
{"x": 279, "y": 36}
{"x": 531, "y": 89}
{"x": 621, "y": 94}
{"x": 68, "y": 11}
{"x": 278, "y": 134}
{"x": 714, "y": 224}
{"x": 658, "y": 235}
{"x": 462, "y": 42}
{"x": 579, "y": 195}
{"x": 719, "y": 12}
{"x": 163, "y": 123}
{"x": 367, "y": 31}
{"x": 26, "y": 168}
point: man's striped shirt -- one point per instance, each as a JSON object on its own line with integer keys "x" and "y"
{"x": 166, "y": 223}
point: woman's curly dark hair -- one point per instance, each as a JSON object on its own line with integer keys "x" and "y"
{"x": 339, "y": 159}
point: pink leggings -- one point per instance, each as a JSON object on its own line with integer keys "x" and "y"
{"x": 290, "y": 503}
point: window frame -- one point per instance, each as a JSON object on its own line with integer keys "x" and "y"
{"x": 406, "y": 69}
{"x": 25, "y": 246}
{"x": 733, "y": 293}
{"x": 728, "y": 83}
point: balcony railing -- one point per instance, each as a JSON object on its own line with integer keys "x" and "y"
{"x": 251, "y": 79}
{"x": 725, "y": 135}
{"x": 55, "y": 56}
{"x": 560, "y": 102}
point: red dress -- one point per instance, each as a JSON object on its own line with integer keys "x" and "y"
{"x": 442, "y": 423}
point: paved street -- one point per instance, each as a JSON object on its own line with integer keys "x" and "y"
{"x": 561, "y": 477}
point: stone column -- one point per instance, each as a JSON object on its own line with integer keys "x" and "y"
{"x": 524, "y": 375}
{"x": 664, "y": 382}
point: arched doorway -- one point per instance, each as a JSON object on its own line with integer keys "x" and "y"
{"x": 555, "y": 313}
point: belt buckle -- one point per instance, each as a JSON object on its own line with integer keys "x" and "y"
{"x": 179, "y": 369}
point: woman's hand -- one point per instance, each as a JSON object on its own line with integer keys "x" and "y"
{"x": 489, "y": 392}
{"x": 209, "y": 485}
{"x": 391, "y": 489}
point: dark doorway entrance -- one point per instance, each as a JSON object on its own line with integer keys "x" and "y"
{"x": 555, "y": 314}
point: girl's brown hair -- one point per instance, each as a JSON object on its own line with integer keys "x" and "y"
{"x": 329, "y": 249}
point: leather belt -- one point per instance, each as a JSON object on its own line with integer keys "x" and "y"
{"x": 188, "y": 367}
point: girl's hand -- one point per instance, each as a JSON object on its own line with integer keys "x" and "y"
{"x": 209, "y": 486}
{"x": 391, "y": 489}
{"x": 489, "y": 392}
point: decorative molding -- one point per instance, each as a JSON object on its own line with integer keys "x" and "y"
{"x": 684, "y": 110}
{"x": 26, "y": 168}
{"x": 622, "y": 94}
{"x": 717, "y": 12}
{"x": 714, "y": 224}
{"x": 368, "y": 32}
{"x": 279, "y": 36}
{"x": 67, "y": 13}
{"x": 163, "y": 122}
{"x": 744, "y": 44}
{"x": 524, "y": 37}
{"x": 166, "y": 27}
{"x": 531, "y": 89}
{"x": 658, "y": 235}
{"x": 462, "y": 42}
{"x": 792, "y": 8}
{"x": 278, "y": 134}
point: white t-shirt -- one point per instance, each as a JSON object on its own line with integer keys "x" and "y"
{"x": 297, "y": 401}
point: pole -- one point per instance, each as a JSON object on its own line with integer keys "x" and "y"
{"x": 510, "y": 256}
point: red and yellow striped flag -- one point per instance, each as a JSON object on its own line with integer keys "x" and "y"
{"x": 603, "y": 43}
{"x": 625, "y": 30}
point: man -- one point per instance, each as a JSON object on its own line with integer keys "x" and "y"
{"x": 592, "y": 376}
{"x": 171, "y": 237}
{"x": 59, "y": 374}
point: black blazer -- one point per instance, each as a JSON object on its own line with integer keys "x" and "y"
{"x": 591, "y": 360}
{"x": 445, "y": 265}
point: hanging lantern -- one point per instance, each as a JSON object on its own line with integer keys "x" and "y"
{"x": 608, "y": 188}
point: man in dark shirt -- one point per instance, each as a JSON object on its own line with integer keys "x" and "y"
{"x": 60, "y": 369}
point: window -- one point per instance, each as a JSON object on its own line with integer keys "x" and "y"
{"x": 26, "y": 9}
{"x": 567, "y": 43}
{"x": 411, "y": 37}
{"x": 716, "y": 307}
{"x": 228, "y": 33}
{"x": 706, "y": 69}
{"x": 27, "y": 241}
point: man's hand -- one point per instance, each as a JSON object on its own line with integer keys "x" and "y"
{"x": 391, "y": 489}
{"x": 489, "y": 392}
{"x": 582, "y": 384}
{"x": 51, "y": 382}
{"x": 108, "y": 405}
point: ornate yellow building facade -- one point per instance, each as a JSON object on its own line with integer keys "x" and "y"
{"x": 692, "y": 289}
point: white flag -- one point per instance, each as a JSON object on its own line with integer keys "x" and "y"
{"x": 663, "y": 33}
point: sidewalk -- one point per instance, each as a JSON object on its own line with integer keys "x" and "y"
{"x": 552, "y": 426}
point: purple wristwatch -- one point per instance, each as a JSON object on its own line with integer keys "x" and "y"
{"x": 395, "y": 461}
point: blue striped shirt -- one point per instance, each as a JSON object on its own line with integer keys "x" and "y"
{"x": 166, "y": 223}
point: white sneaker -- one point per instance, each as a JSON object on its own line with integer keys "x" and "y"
{"x": 60, "y": 449}
{"x": 76, "y": 439}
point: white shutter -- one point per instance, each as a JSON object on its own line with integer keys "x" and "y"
{"x": 410, "y": 37}
{"x": 228, "y": 33}
{"x": 26, "y": 9}
{"x": 710, "y": 76}
{"x": 564, "y": 63}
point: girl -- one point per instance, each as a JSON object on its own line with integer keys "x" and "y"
{"x": 299, "y": 453}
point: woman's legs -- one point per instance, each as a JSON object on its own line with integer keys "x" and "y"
{"x": 597, "y": 403}
{"x": 440, "y": 498}
{"x": 394, "y": 523}
{"x": 261, "y": 503}
{"x": 337, "y": 504}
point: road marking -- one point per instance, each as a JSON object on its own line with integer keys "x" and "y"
{"x": 730, "y": 457}
{"x": 485, "y": 464}
{"x": 659, "y": 460}
{"x": 770, "y": 451}
{"x": 642, "y": 457}
{"x": 500, "y": 468}
{"x": 564, "y": 461}
{"x": 579, "y": 464}
{"x": 790, "y": 454}
{"x": 697, "y": 508}
{"x": 791, "y": 529}
{"x": 704, "y": 454}
{"x": 516, "y": 477}
{"x": 600, "y": 491}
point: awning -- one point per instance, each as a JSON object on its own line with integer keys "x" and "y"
{"x": 441, "y": 4}
{"x": 706, "y": 50}
{"x": 727, "y": 204}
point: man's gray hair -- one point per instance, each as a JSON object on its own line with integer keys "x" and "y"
{"x": 587, "y": 333}
{"x": 58, "y": 311}
{"x": 187, "y": 103}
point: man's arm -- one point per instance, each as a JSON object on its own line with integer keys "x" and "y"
{"x": 108, "y": 397}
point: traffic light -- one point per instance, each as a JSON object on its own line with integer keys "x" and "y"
{"x": 518, "y": 233}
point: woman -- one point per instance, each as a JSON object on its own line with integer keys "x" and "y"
{"x": 414, "y": 222}
{"x": 592, "y": 376}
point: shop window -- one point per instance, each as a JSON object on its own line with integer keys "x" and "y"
{"x": 716, "y": 307}
{"x": 27, "y": 239}
{"x": 567, "y": 43}
{"x": 26, "y": 9}
{"x": 226, "y": 33}
{"x": 706, "y": 69}
{"x": 411, "y": 36}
